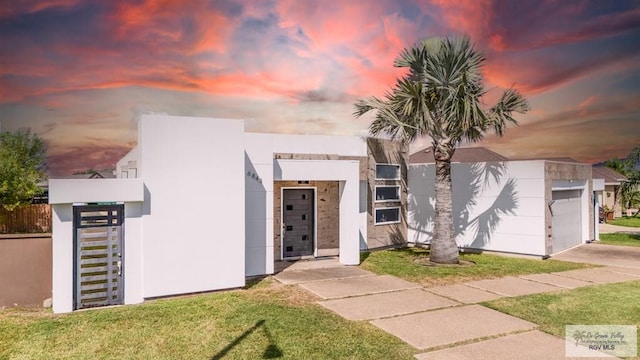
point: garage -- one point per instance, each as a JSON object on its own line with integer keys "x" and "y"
{"x": 566, "y": 214}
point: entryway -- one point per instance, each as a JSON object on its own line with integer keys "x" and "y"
{"x": 98, "y": 255}
{"x": 298, "y": 214}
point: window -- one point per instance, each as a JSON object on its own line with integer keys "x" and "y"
{"x": 387, "y": 193}
{"x": 387, "y": 172}
{"x": 389, "y": 215}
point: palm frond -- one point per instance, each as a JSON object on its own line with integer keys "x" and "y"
{"x": 501, "y": 113}
{"x": 441, "y": 95}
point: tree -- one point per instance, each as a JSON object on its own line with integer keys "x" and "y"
{"x": 629, "y": 189}
{"x": 441, "y": 97}
{"x": 22, "y": 167}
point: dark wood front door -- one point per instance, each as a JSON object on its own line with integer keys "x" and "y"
{"x": 297, "y": 222}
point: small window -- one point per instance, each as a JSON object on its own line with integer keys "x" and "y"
{"x": 387, "y": 172}
{"x": 304, "y": 196}
{"x": 289, "y": 207}
{"x": 289, "y": 227}
{"x": 304, "y": 217}
{"x": 387, "y": 215}
{"x": 304, "y": 237}
{"x": 387, "y": 193}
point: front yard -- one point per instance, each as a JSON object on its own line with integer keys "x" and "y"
{"x": 620, "y": 239}
{"x": 268, "y": 320}
{"x": 271, "y": 320}
{"x": 611, "y": 304}
{"x": 626, "y": 221}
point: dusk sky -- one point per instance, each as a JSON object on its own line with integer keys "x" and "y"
{"x": 79, "y": 73}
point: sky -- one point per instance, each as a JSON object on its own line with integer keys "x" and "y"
{"x": 80, "y": 73}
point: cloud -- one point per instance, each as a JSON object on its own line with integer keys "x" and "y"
{"x": 297, "y": 66}
{"x": 577, "y": 132}
{"x": 72, "y": 159}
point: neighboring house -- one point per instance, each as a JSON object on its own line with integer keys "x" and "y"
{"x": 534, "y": 207}
{"x": 199, "y": 205}
{"x": 610, "y": 196}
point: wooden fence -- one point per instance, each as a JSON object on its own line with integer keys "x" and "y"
{"x": 28, "y": 219}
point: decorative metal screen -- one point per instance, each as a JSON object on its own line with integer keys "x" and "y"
{"x": 98, "y": 238}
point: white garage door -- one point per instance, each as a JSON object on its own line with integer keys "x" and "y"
{"x": 566, "y": 219}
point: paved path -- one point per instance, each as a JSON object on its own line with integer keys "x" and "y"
{"x": 446, "y": 322}
{"x": 610, "y": 229}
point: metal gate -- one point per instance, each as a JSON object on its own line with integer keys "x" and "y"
{"x": 98, "y": 254}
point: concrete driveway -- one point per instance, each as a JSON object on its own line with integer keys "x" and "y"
{"x": 600, "y": 254}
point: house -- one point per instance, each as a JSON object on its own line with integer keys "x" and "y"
{"x": 533, "y": 207}
{"x": 610, "y": 196}
{"x": 199, "y": 204}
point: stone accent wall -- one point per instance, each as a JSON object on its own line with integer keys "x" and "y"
{"x": 386, "y": 152}
{"x": 565, "y": 171}
{"x": 363, "y": 160}
{"x": 327, "y": 215}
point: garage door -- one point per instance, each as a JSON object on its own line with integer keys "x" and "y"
{"x": 566, "y": 222}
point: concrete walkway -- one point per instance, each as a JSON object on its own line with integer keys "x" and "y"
{"x": 446, "y": 322}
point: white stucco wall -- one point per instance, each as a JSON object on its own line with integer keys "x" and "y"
{"x": 131, "y": 156}
{"x": 193, "y": 213}
{"x": 598, "y": 189}
{"x": 62, "y": 253}
{"x": 69, "y": 191}
{"x": 63, "y": 193}
{"x": 497, "y": 206}
{"x": 259, "y": 176}
{"x": 259, "y": 203}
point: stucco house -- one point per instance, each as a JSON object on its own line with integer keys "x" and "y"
{"x": 156, "y": 230}
{"x": 610, "y": 196}
{"x": 533, "y": 207}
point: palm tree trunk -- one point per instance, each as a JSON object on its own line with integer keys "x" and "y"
{"x": 444, "y": 249}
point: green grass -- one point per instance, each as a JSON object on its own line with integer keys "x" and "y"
{"x": 611, "y": 304}
{"x": 620, "y": 239}
{"x": 626, "y": 221}
{"x": 400, "y": 263}
{"x": 269, "y": 320}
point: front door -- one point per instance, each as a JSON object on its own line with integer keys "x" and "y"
{"x": 98, "y": 237}
{"x": 297, "y": 222}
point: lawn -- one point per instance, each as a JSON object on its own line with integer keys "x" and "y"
{"x": 268, "y": 320}
{"x": 400, "y": 263}
{"x": 620, "y": 239}
{"x": 611, "y": 304}
{"x": 626, "y": 221}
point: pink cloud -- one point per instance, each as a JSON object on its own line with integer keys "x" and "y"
{"x": 32, "y": 6}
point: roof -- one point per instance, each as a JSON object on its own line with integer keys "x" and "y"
{"x": 564, "y": 159}
{"x": 90, "y": 174}
{"x": 609, "y": 175}
{"x": 461, "y": 155}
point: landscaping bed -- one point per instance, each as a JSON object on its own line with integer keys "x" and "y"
{"x": 401, "y": 263}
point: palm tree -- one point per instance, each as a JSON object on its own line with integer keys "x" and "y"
{"x": 440, "y": 97}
